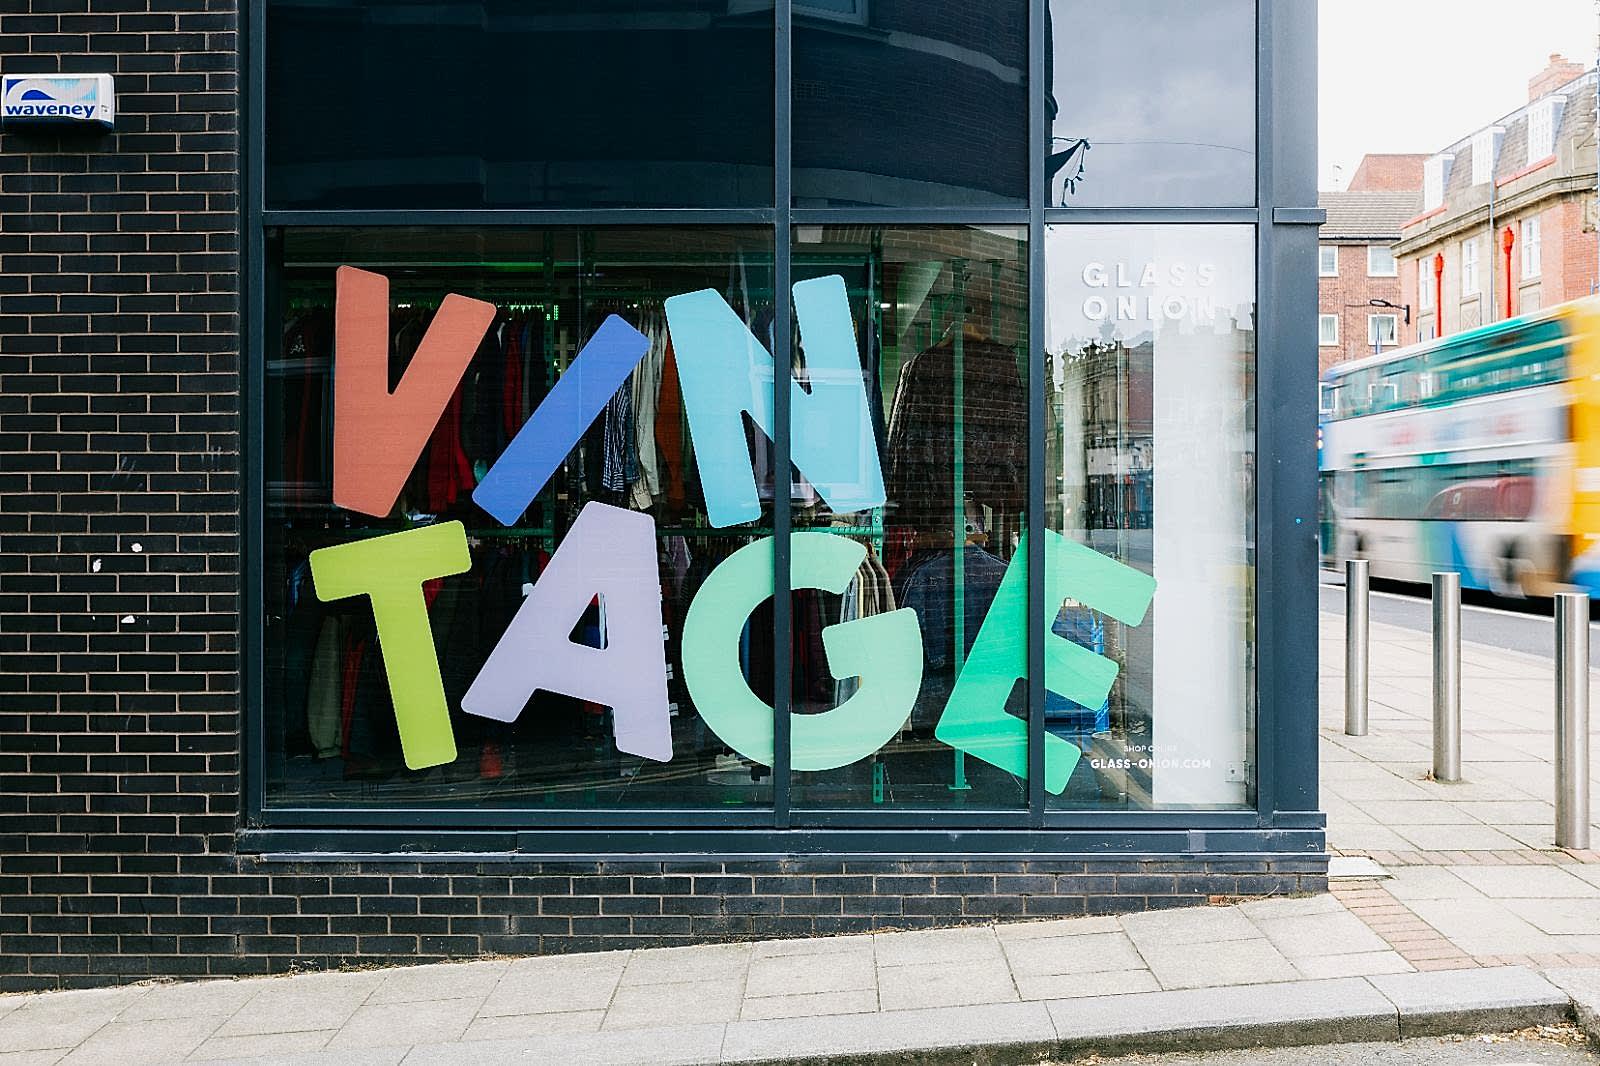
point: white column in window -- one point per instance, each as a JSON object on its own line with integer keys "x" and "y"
{"x": 1201, "y": 527}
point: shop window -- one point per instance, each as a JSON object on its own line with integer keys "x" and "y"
{"x": 1152, "y": 104}
{"x": 927, "y": 108}
{"x": 397, "y": 104}
{"x": 1150, "y": 444}
{"x": 941, "y": 319}
{"x": 332, "y": 733}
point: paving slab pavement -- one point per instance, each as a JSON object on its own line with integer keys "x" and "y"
{"x": 1281, "y": 971}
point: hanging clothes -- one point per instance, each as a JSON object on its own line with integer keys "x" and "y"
{"x": 669, "y": 431}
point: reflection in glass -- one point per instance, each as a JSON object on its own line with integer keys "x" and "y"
{"x": 1152, "y": 103}
{"x": 509, "y": 103}
{"x": 329, "y": 722}
{"x": 1150, "y": 384}
{"x": 940, "y": 318}
{"x": 910, "y": 104}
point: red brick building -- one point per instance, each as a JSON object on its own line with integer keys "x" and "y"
{"x": 1508, "y": 217}
{"x": 1355, "y": 262}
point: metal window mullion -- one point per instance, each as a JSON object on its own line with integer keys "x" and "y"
{"x": 1266, "y": 718}
{"x": 252, "y": 361}
{"x": 783, "y": 332}
{"x": 1038, "y": 189}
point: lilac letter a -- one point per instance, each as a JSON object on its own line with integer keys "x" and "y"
{"x": 610, "y": 552}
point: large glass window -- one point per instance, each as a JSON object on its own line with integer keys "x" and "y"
{"x": 1150, "y": 342}
{"x": 623, "y": 374}
{"x": 331, "y": 725}
{"x": 1152, "y": 103}
{"x": 941, "y": 317}
{"x": 504, "y": 104}
{"x": 911, "y": 104}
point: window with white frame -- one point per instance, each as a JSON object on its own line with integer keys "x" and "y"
{"x": 1380, "y": 261}
{"x": 1382, "y": 330}
{"x": 1434, "y": 173}
{"x": 1542, "y": 129}
{"x": 1425, "y": 331}
{"x": 1485, "y": 145}
{"x": 1328, "y": 330}
{"x": 1425, "y": 283}
{"x": 1327, "y": 261}
{"x": 1530, "y": 248}
{"x": 1469, "y": 268}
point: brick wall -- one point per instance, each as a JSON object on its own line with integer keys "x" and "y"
{"x": 119, "y": 606}
{"x": 1347, "y": 296}
{"x": 119, "y": 461}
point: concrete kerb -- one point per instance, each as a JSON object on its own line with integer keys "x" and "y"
{"x": 1344, "y": 1010}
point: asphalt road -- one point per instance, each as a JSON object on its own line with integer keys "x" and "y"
{"x": 1547, "y": 1047}
{"x": 1515, "y": 627}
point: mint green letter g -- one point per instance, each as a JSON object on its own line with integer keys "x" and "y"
{"x": 884, "y": 650}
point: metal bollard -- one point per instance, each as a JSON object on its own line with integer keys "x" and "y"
{"x": 1356, "y": 635}
{"x": 1447, "y": 676}
{"x": 1572, "y": 720}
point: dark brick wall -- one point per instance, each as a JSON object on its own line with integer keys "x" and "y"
{"x": 119, "y": 605}
{"x": 119, "y": 478}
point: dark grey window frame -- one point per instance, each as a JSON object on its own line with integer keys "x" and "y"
{"x": 1284, "y": 818}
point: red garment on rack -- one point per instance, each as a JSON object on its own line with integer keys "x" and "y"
{"x": 347, "y": 693}
{"x": 669, "y": 429}
{"x": 449, "y": 469}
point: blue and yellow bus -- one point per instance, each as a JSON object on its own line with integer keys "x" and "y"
{"x": 1479, "y": 453}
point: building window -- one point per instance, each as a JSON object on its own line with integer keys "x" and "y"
{"x": 1469, "y": 268}
{"x": 1485, "y": 146}
{"x": 1327, "y": 261}
{"x": 431, "y": 150}
{"x": 1542, "y": 129}
{"x": 1380, "y": 261}
{"x": 1530, "y": 248}
{"x": 1328, "y": 330}
{"x": 960, "y": 82}
{"x": 1425, "y": 331}
{"x": 1381, "y": 331}
{"x": 1425, "y": 283}
{"x": 1435, "y": 172}
{"x": 1159, "y": 110}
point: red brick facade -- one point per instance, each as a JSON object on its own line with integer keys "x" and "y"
{"x": 1556, "y": 189}
{"x": 1387, "y": 173}
{"x": 1346, "y": 296}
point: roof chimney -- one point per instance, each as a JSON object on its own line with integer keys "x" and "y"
{"x": 1560, "y": 71}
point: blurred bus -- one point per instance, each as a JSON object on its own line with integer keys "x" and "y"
{"x": 1478, "y": 453}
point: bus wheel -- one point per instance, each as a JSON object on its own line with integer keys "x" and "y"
{"x": 1514, "y": 570}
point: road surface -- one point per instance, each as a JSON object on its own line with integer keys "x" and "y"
{"x": 1500, "y": 627}
{"x": 1548, "y": 1046}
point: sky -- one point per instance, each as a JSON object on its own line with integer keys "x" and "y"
{"x": 1417, "y": 75}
